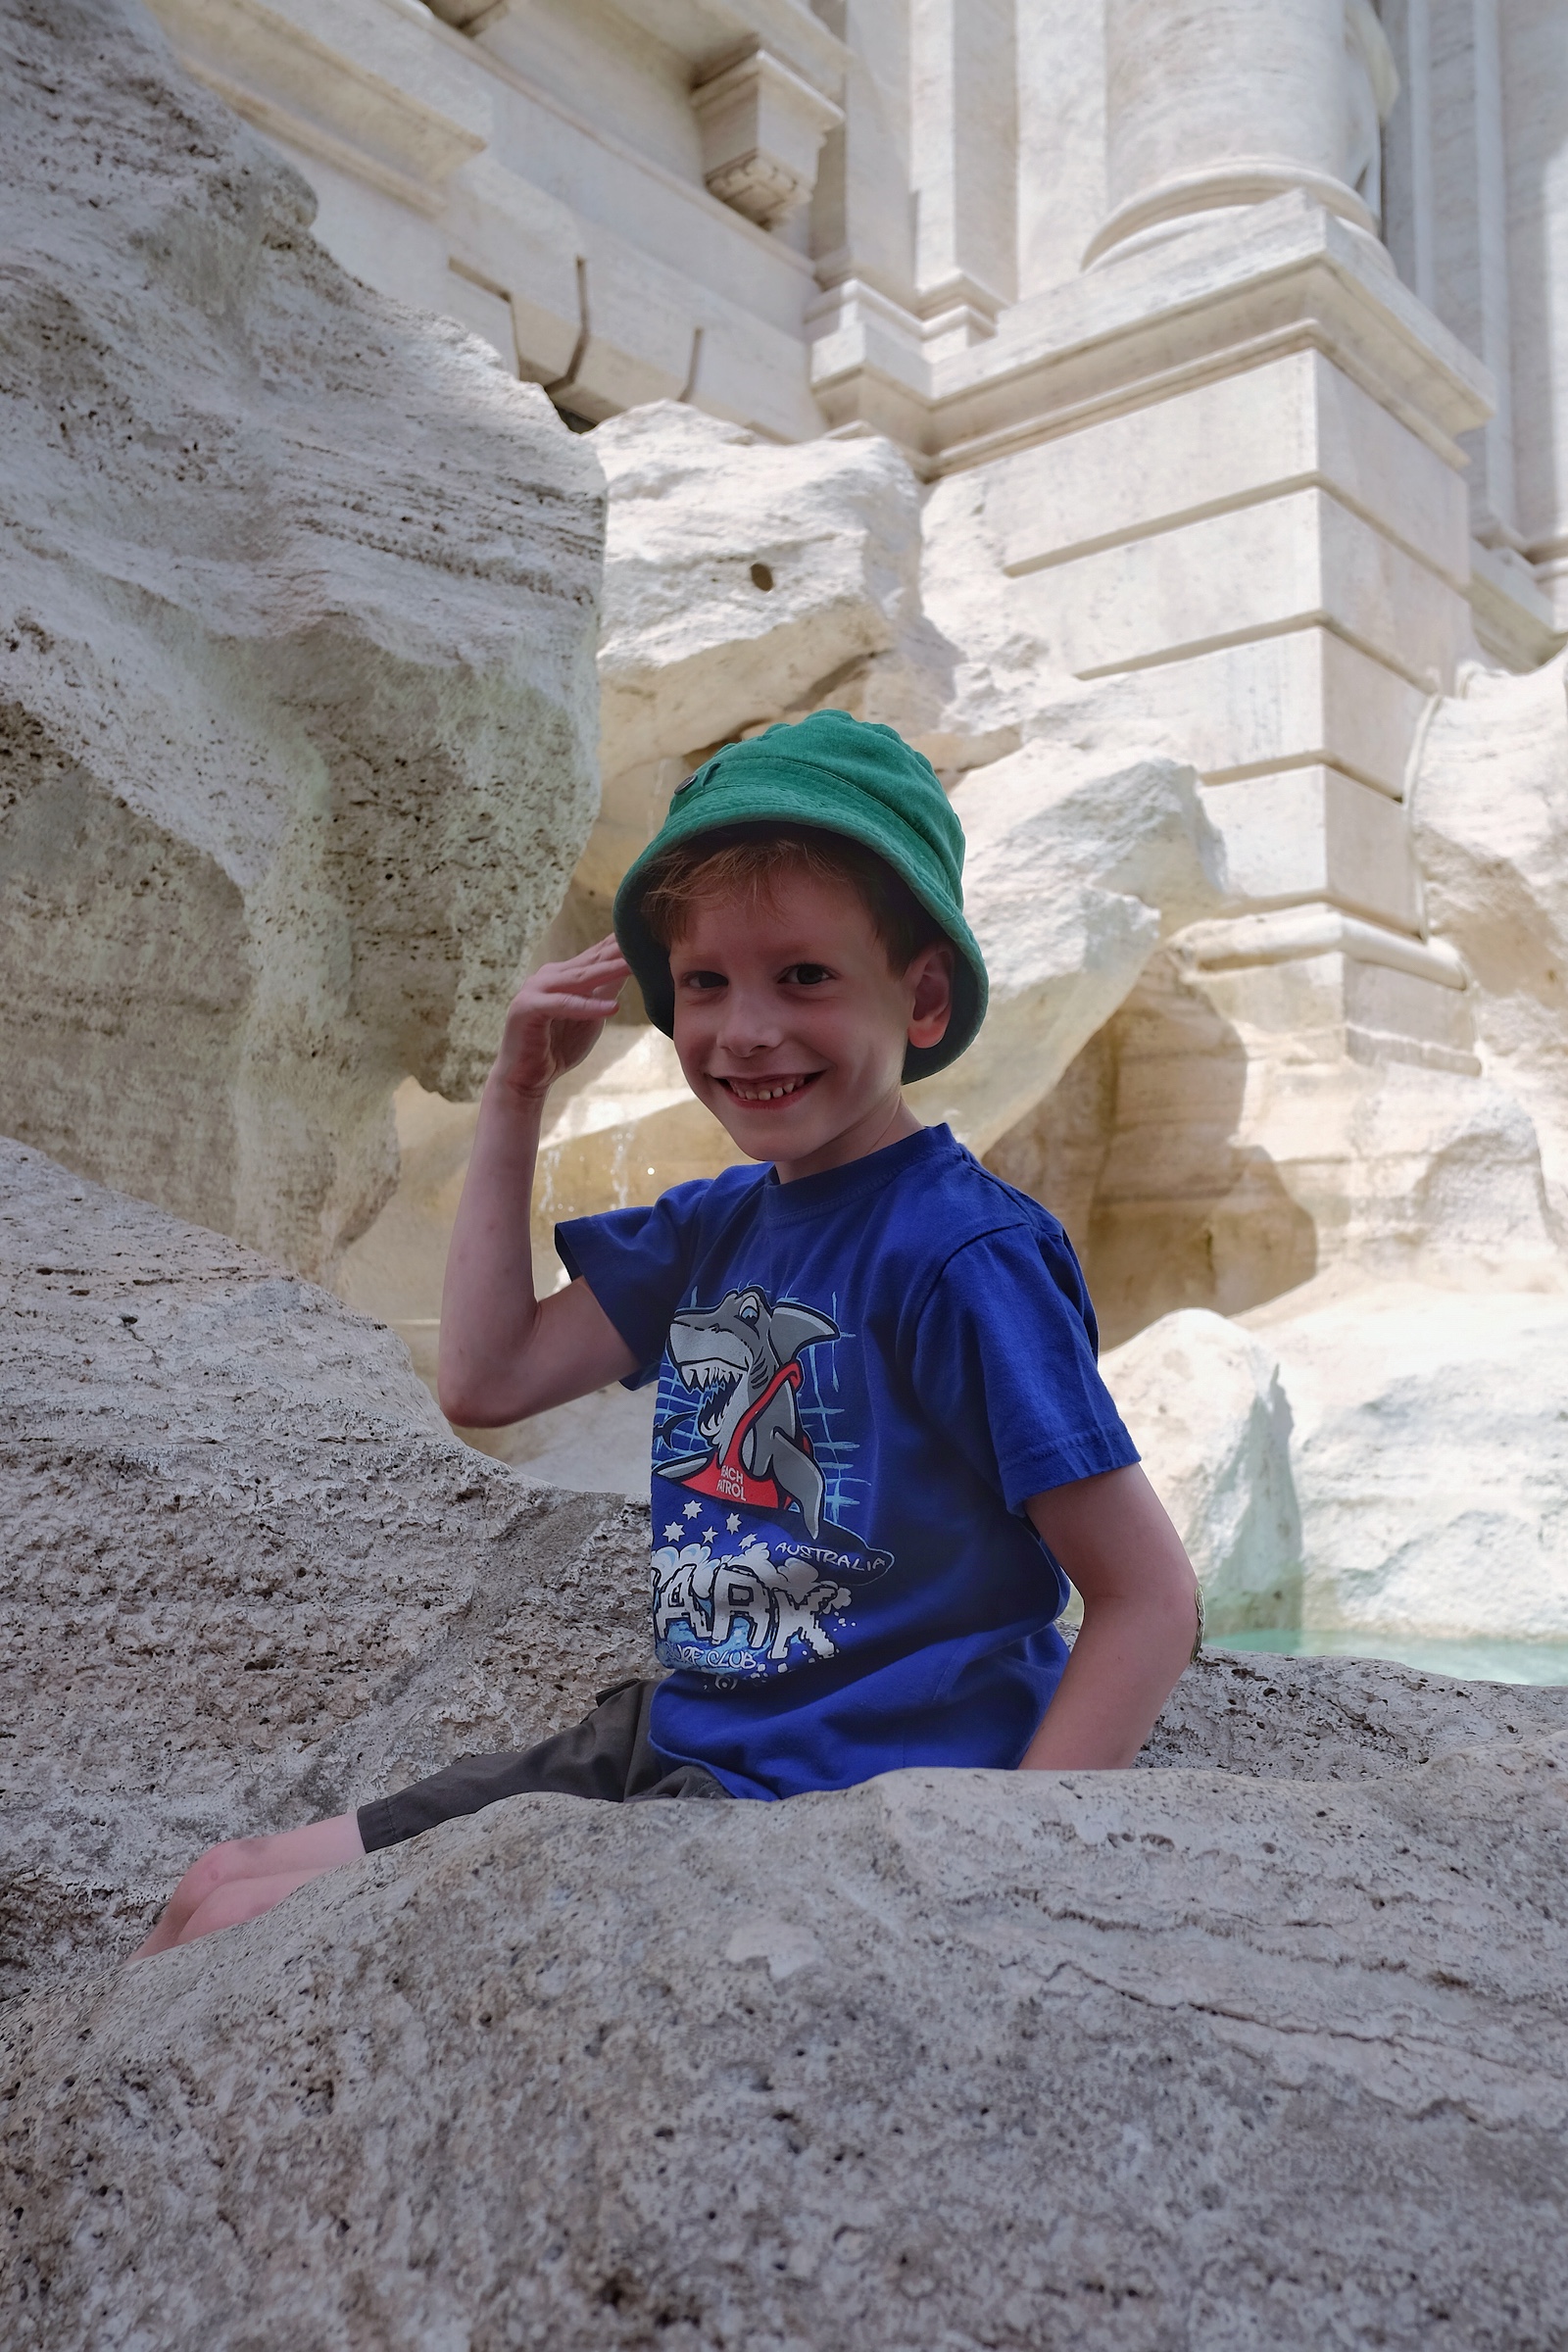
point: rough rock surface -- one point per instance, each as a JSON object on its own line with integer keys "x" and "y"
{"x": 1266, "y": 2044}
{"x": 1146, "y": 2059}
{"x": 744, "y": 582}
{"x": 297, "y": 696}
{"x": 1490, "y": 818}
{"x": 1430, "y": 1454}
{"x": 1203, "y": 1401}
{"x": 1073, "y": 874}
{"x": 248, "y": 1574}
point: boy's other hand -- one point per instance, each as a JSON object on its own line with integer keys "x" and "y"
{"x": 556, "y": 1017}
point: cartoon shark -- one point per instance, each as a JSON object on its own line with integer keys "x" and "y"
{"x": 742, "y": 1356}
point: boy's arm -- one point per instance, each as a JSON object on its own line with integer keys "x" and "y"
{"x": 504, "y": 1353}
{"x": 1141, "y": 1621}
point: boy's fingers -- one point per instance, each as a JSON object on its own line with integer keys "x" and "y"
{"x": 590, "y": 1008}
{"x": 593, "y": 966}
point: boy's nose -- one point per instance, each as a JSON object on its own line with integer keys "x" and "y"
{"x": 751, "y": 1024}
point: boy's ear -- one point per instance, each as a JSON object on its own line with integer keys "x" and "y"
{"x": 932, "y": 1010}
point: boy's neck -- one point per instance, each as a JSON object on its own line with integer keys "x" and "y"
{"x": 884, "y": 1124}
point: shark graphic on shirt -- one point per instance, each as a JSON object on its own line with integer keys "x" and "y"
{"x": 733, "y": 1599}
{"x": 743, "y": 1358}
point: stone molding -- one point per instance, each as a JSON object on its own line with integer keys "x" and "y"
{"x": 1288, "y": 934}
{"x": 763, "y": 128}
{"x": 270, "y": 67}
{"x": 1189, "y": 199}
{"x": 1287, "y": 274}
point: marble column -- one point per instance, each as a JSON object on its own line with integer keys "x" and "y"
{"x": 1469, "y": 151}
{"x": 1212, "y": 104}
{"x": 965, "y": 157}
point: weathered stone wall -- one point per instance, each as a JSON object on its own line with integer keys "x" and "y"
{"x": 297, "y": 702}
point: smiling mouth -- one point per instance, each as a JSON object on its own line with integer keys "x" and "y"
{"x": 767, "y": 1090}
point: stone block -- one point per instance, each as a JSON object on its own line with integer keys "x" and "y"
{"x": 638, "y": 331}
{"x": 1072, "y": 876}
{"x": 1231, "y": 441}
{"x": 1114, "y": 338}
{"x": 1262, "y": 1125}
{"x": 261, "y": 1582}
{"x": 288, "y": 1586}
{"x": 518, "y": 240}
{"x": 1265, "y": 2008}
{"x": 1306, "y": 696}
{"x": 1295, "y": 561}
{"x": 1491, "y": 812}
{"x": 740, "y": 580}
{"x": 376, "y": 97}
{"x": 762, "y": 127}
{"x": 1313, "y": 833}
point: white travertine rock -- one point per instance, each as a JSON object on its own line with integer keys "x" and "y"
{"x": 1491, "y": 818}
{"x": 743, "y": 581}
{"x": 1230, "y": 1135}
{"x": 1206, "y": 1411}
{"x": 298, "y": 664}
{"x": 249, "y": 1575}
{"x": 1430, "y": 1454}
{"x": 1149, "y": 2043}
{"x": 1072, "y": 877}
{"x": 1299, "y": 1986}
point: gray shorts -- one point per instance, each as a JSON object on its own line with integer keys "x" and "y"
{"x": 607, "y": 1756}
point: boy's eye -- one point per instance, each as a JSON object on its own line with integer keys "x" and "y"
{"x": 703, "y": 980}
{"x": 807, "y": 975}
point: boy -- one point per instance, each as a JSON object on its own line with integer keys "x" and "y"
{"x": 879, "y": 1424}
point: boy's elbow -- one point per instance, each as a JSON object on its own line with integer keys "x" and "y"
{"x": 468, "y": 1403}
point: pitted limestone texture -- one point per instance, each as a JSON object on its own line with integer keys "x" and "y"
{"x": 953, "y": 2058}
{"x": 297, "y": 698}
{"x": 248, "y": 1574}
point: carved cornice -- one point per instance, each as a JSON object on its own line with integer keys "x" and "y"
{"x": 763, "y": 128}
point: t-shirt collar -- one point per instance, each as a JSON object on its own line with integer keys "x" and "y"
{"x": 835, "y": 1188}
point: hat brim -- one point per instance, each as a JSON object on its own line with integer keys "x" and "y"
{"x": 773, "y": 788}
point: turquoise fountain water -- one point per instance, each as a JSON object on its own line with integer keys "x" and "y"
{"x": 1478, "y": 1662}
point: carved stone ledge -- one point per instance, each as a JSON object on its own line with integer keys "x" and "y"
{"x": 763, "y": 128}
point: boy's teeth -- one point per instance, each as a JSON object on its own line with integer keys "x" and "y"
{"x": 767, "y": 1093}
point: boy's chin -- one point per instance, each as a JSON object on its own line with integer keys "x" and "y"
{"x": 770, "y": 1131}
{"x": 773, "y": 1138}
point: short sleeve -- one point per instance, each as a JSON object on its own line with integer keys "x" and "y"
{"x": 1003, "y": 1363}
{"x": 636, "y": 1262}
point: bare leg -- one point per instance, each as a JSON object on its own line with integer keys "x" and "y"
{"x": 276, "y": 1865}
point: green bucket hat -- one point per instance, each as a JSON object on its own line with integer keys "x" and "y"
{"x": 841, "y": 775}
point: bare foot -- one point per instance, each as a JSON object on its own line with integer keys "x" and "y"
{"x": 246, "y": 1875}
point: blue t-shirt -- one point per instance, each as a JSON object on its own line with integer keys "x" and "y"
{"x": 862, "y": 1376}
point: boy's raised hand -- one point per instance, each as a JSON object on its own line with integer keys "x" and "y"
{"x": 556, "y": 1017}
{"x": 503, "y": 1352}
